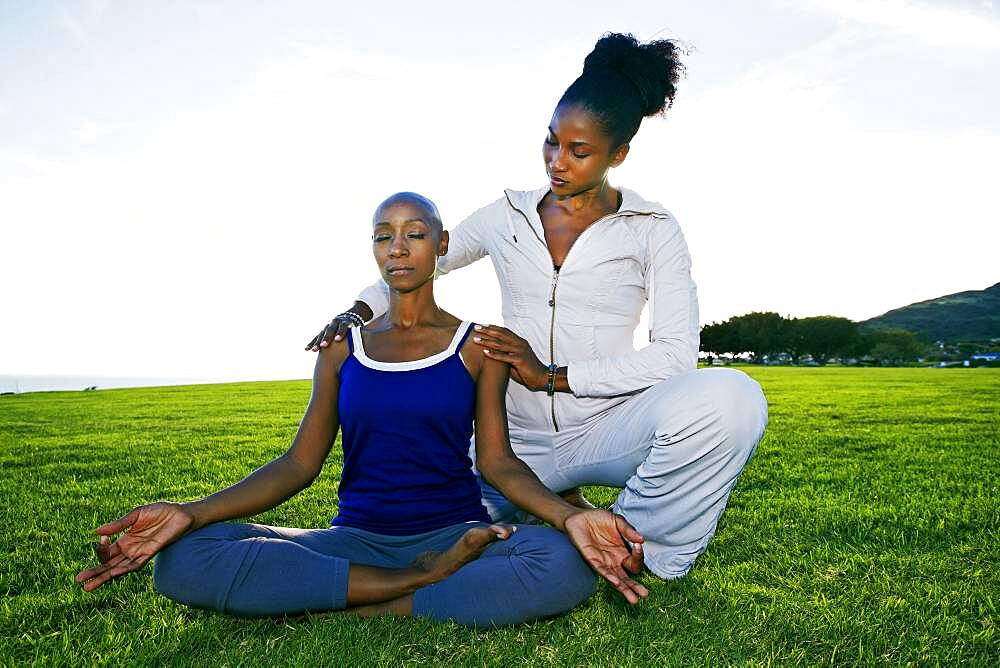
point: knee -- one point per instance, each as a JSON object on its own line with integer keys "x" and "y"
{"x": 742, "y": 407}
{"x": 732, "y": 402}
{"x": 577, "y": 582}
{"x": 561, "y": 578}
{"x": 169, "y": 569}
{"x": 179, "y": 570}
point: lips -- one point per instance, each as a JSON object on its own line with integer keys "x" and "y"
{"x": 397, "y": 270}
{"x": 557, "y": 182}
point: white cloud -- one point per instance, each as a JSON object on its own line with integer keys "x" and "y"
{"x": 932, "y": 25}
{"x": 68, "y": 22}
{"x": 210, "y": 239}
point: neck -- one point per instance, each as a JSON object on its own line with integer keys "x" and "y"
{"x": 601, "y": 197}
{"x": 407, "y": 309}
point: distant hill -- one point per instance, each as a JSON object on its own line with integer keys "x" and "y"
{"x": 973, "y": 315}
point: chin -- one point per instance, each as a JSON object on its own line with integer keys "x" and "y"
{"x": 404, "y": 283}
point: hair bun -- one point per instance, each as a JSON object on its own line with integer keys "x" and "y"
{"x": 653, "y": 68}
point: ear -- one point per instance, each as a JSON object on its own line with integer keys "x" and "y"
{"x": 618, "y": 157}
{"x": 443, "y": 244}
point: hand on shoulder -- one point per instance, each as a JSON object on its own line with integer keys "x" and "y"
{"x": 473, "y": 356}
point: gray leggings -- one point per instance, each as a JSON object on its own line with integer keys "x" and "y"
{"x": 252, "y": 569}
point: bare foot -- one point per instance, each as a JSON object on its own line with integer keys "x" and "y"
{"x": 466, "y": 549}
{"x": 575, "y": 497}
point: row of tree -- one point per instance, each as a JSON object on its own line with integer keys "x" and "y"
{"x": 768, "y": 336}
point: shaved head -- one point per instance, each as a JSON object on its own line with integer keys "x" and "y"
{"x": 423, "y": 208}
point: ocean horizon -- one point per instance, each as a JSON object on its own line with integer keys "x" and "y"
{"x": 21, "y": 383}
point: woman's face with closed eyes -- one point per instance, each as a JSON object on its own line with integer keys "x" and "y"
{"x": 407, "y": 242}
{"x": 577, "y": 153}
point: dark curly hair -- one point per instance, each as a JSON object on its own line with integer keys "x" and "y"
{"x": 624, "y": 81}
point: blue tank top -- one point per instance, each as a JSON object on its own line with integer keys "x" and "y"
{"x": 406, "y": 428}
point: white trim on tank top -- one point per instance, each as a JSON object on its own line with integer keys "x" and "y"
{"x": 409, "y": 365}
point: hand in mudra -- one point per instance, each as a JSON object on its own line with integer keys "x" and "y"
{"x": 601, "y": 538}
{"x": 147, "y": 530}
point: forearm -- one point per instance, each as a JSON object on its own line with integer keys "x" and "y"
{"x": 516, "y": 481}
{"x": 614, "y": 376}
{"x": 673, "y": 323}
{"x": 264, "y": 489}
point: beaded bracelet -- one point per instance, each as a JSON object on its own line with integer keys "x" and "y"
{"x": 355, "y": 319}
{"x": 550, "y": 386}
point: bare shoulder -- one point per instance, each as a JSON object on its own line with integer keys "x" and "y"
{"x": 472, "y": 354}
{"x": 331, "y": 358}
{"x": 483, "y": 369}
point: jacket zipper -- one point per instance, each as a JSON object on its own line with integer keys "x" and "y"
{"x": 552, "y": 305}
{"x": 552, "y": 339}
{"x": 555, "y": 281}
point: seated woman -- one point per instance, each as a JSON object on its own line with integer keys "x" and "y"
{"x": 412, "y": 536}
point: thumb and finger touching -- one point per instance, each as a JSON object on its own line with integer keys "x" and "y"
{"x": 627, "y": 530}
{"x": 119, "y": 524}
{"x": 502, "y": 531}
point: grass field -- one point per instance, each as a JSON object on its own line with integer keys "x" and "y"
{"x": 865, "y": 530}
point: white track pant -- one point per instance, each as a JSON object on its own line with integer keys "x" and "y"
{"x": 677, "y": 448}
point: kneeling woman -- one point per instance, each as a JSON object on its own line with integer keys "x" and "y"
{"x": 412, "y": 536}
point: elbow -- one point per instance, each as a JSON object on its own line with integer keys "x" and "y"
{"x": 309, "y": 476}
{"x": 676, "y": 356}
{"x": 303, "y": 474}
{"x": 306, "y": 481}
{"x": 487, "y": 469}
{"x": 493, "y": 469}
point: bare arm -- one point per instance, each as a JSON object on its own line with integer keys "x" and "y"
{"x": 599, "y": 535}
{"x": 285, "y": 476}
{"x": 147, "y": 529}
{"x": 496, "y": 460}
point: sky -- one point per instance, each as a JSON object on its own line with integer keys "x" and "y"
{"x": 186, "y": 188}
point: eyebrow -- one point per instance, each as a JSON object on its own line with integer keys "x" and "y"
{"x": 408, "y": 220}
{"x": 572, "y": 143}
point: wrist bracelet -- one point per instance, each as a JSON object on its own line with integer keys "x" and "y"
{"x": 356, "y": 320}
{"x": 550, "y": 386}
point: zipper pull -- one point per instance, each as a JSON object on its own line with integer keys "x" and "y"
{"x": 555, "y": 279}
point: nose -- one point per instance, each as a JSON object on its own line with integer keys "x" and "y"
{"x": 397, "y": 247}
{"x": 558, "y": 163}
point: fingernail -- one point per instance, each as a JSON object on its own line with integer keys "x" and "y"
{"x": 337, "y": 338}
{"x": 476, "y": 339}
{"x": 487, "y": 352}
{"x": 478, "y": 327}
{"x": 323, "y": 345}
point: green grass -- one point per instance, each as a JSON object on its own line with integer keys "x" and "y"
{"x": 865, "y": 530}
